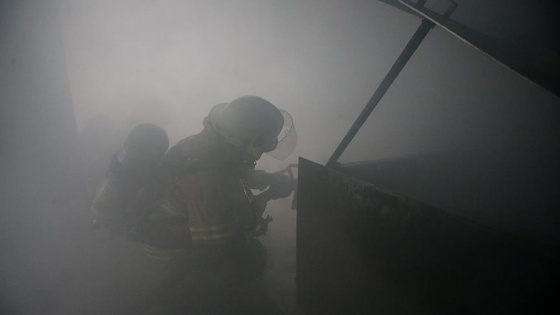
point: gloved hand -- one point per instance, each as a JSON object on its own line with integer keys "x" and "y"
{"x": 261, "y": 226}
{"x": 280, "y": 187}
{"x": 258, "y": 179}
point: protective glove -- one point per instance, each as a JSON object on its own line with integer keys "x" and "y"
{"x": 262, "y": 226}
{"x": 280, "y": 187}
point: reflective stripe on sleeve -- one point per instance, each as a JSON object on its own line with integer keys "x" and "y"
{"x": 160, "y": 254}
{"x": 216, "y": 234}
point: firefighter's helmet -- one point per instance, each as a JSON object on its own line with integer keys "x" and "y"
{"x": 143, "y": 148}
{"x": 253, "y": 124}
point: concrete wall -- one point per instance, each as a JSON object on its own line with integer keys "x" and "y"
{"x": 38, "y": 157}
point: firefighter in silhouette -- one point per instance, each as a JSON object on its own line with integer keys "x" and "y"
{"x": 131, "y": 168}
{"x": 204, "y": 215}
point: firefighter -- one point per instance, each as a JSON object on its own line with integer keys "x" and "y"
{"x": 204, "y": 215}
{"x": 131, "y": 168}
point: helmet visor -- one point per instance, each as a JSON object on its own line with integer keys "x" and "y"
{"x": 287, "y": 138}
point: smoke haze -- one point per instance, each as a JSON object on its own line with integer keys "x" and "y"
{"x": 71, "y": 66}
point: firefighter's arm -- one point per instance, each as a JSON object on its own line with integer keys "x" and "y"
{"x": 257, "y": 179}
{"x": 279, "y": 186}
{"x": 282, "y": 188}
{"x": 259, "y": 204}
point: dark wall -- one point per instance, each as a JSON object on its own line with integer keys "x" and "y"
{"x": 510, "y": 190}
{"x": 362, "y": 249}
